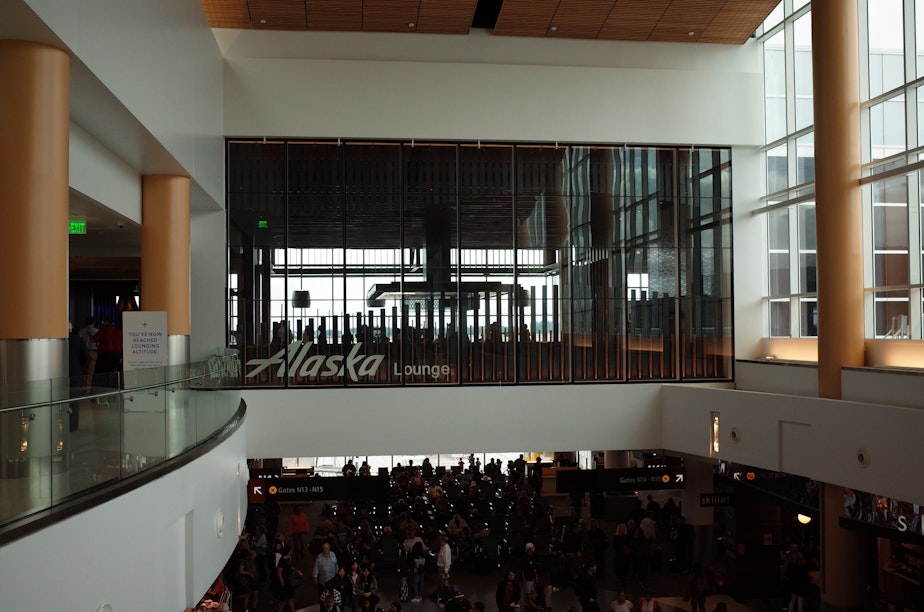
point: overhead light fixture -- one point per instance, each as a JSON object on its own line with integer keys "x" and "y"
{"x": 691, "y": 33}
{"x": 411, "y": 24}
{"x": 553, "y": 29}
{"x": 263, "y": 21}
{"x": 804, "y": 519}
{"x": 715, "y": 431}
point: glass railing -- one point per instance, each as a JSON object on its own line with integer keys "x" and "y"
{"x": 64, "y": 437}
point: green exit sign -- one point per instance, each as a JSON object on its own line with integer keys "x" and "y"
{"x": 78, "y": 227}
{"x": 262, "y": 224}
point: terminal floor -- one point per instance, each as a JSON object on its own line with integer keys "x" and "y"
{"x": 666, "y": 586}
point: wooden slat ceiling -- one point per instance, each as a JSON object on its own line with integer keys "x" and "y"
{"x": 707, "y": 21}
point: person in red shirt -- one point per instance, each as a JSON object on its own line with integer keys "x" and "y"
{"x": 109, "y": 341}
{"x": 298, "y": 529}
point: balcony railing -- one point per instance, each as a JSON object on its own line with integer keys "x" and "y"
{"x": 61, "y": 439}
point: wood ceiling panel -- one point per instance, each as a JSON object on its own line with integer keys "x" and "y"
{"x": 685, "y": 16}
{"x": 737, "y": 21}
{"x": 525, "y": 17}
{"x": 633, "y": 19}
{"x": 711, "y": 21}
{"x": 278, "y": 14}
{"x": 580, "y": 18}
{"x": 227, "y": 13}
{"x": 390, "y": 15}
{"x": 446, "y": 16}
{"x": 335, "y": 15}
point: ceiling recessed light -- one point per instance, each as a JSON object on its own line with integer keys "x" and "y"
{"x": 691, "y": 33}
{"x": 554, "y": 28}
{"x": 411, "y": 24}
{"x": 263, "y": 21}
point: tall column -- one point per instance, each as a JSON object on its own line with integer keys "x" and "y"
{"x": 838, "y": 213}
{"x": 34, "y": 106}
{"x": 838, "y": 206}
{"x": 165, "y": 257}
{"x": 34, "y": 95}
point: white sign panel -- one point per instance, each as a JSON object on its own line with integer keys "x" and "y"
{"x": 144, "y": 339}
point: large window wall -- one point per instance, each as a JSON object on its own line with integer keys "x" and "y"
{"x": 892, "y": 73}
{"x": 407, "y": 263}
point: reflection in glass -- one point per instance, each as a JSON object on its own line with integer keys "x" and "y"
{"x": 802, "y": 34}
{"x": 439, "y": 263}
{"x": 886, "y": 46}
{"x": 891, "y": 314}
{"x": 890, "y": 232}
{"x": 778, "y": 243}
{"x": 805, "y": 159}
{"x": 780, "y": 319}
{"x": 777, "y": 169}
{"x": 775, "y": 87}
{"x": 887, "y": 127}
{"x": 775, "y": 16}
{"x": 919, "y": 39}
{"x": 808, "y": 317}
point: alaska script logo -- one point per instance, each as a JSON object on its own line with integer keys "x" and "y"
{"x": 301, "y": 364}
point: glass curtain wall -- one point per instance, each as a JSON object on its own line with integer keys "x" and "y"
{"x": 403, "y": 263}
{"x": 892, "y": 67}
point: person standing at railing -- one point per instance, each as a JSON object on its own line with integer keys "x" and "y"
{"x": 88, "y": 335}
{"x": 109, "y": 339}
{"x": 78, "y": 358}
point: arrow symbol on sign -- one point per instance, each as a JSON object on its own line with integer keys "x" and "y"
{"x": 678, "y": 478}
{"x": 737, "y": 476}
{"x": 258, "y": 489}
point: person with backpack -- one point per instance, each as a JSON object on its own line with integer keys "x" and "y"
{"x": 418, "y": 569}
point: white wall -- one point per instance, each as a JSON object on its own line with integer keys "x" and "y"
{"x": 895, "y": 388}
{"x": 331, "y": 422}
{"x": 749, "y": 242}
{"x": 684, "y": 93}
{"x": 208, "y": 278}
{"x": 97, "y": 173}
{"x": 812, "y": 437}
{"x": 777, "y": 377}
{"x": 155, "y": 548}
{"x": 161, "y": 64}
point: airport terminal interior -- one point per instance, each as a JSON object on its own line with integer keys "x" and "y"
{"x": 534, "y": 304}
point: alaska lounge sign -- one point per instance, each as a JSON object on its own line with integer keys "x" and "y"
{"x": 353, "y": 365}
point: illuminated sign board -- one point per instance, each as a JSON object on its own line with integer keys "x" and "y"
{"x": 324, "y": 488}
{"x": 77, "y": 227}
{"x": 884, "y": 512}
{"x": 626, "y": 479}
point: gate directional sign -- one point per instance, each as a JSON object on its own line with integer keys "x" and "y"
{"x": 625, "y": 479}
{"x": 325, "y": 488}
{"x": 256, "y": 491}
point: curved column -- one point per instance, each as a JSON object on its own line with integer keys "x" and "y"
{"x": 165, "y": 239}
{"x": 838, "y": 205}
{"x": 839, "y": 231}
{"x": 34, "y": 200}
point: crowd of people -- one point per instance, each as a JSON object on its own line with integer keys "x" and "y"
{"x": 483, "y": 518}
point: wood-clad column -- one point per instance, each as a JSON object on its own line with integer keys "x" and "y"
{"x": 34, "y": 103}
{"x": 34, "y": 109}
{"x": 165, "y": 237}
{"x": 838, "y": 205}
{"x": 839, "y": 222}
